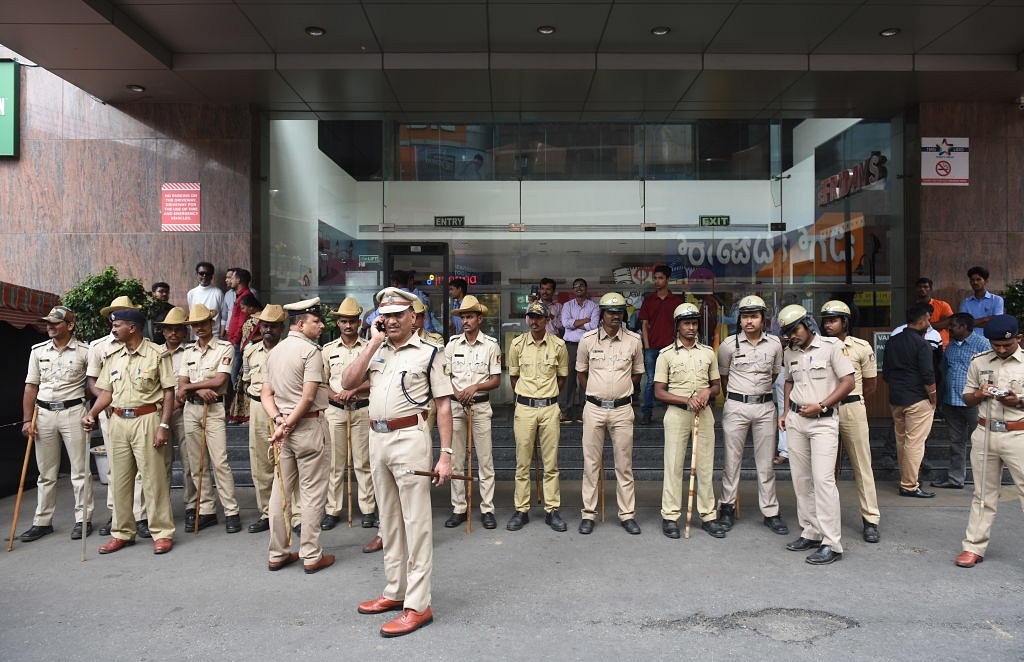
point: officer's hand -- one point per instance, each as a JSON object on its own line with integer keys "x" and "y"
{"x": 88, "y": 423}
{"x": 809, "y": 411}
{"x": 443, "y": 469}
{"x": 207, "y": 394}
{"x": 27, "y": 429}
{"x": 163, "y": 437}
{"x": 782, "y": 423}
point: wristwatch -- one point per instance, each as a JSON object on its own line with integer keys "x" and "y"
{"x": 823, "y": 407}
{"x": 448, "y": 450}
{"x": 165, "y": 426}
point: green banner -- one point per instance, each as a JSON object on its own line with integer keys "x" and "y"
{"x": 9, "y": 108}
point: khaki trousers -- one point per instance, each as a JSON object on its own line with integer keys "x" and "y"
{"x": 529, "y": 425}
{"x": 1004, "y": 449}
{"x": 337, "y": 424}
{"x": 913, "y": 423}
{"x": 759, "y": 419}
{"x": 216, "y": 449}
{"x": 484, "y": 458}
{"x": 678, "y": 432}
{"x": 853, "y": 435}
{"x": 139, "y": 501}
{"x": 178, "y": 439}
{"x": 261, "y": 463}
{"x": 619, "y": 424}
{"x": 404, "y": 510}
{"x": 813, "y": 447}
{"x": 304, "y": 466}
{"x": 52, "y": 428}
{"x": 131, "y": 452}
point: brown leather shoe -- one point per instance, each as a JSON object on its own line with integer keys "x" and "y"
{"x": 379, "y": 605}
{"x": 274, "y": 566}
{"x": 115, "y": 544}
{"x": 374, "y": 545}
{"x": 162, "y": 545}
{"x": 325, "y": 561}
{"x": 968, "y": 559}
{"x": 410, "y": 621}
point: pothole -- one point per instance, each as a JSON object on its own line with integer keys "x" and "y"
{"x": 778, "y": 624}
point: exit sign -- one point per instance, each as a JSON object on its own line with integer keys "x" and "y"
{"x": 714, "y": 221}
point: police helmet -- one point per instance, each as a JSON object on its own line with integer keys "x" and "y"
{"x": 835, "y": 309}
{"x": 790, "y": 316}
{"x": 613, "y": 302}
{"x": 753, "y": 304}
{"x": 686, "y": 311}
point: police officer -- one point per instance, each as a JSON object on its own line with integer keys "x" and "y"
{"x": 138, "y": 382}
{"x": 749, "y": 361}
{"x": 405, "y": 373}
{"x": 55, "y": 383}
{"x": 202, "y": 382}
{"x": 294, "y": 396}
{"x": 818, "y": 377}
{"x": 853, "y": 413}
{"x": 347, "y": 419}
{"x": 473, "y": 360}
{"x": 995, "y": 384}
{"x": 538, "y": 364}
{"x": 686, "y": 379}
{"x": 609, "y": 362}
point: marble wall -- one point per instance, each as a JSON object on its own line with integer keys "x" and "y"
{"x": 85, "y": 191}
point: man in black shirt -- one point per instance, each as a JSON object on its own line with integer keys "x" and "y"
{"x": 910, "y": 373}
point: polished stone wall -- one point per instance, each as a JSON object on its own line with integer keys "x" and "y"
{"x": 85, "y": 191}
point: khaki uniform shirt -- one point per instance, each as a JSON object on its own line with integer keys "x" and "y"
{"x": 1006, "y": 374}
{"x": 99, "y": 350}
{"x": 60, "y": 374}
{"x": 611, "y": 362}
{"x": 337, "y": 356}
{"x": 815, "y": 370}
{"x": 686, "y": 371}
{"x": 293, "y": 362}
{"x": 404, "y": 380}
{"x": 254, "y": 364}
{"x": 749, "y": 367}
{"x": 137, "y": 378}
{"x": 538, "y": 365}
{"x": 201, "y": 364}
{"x": 472, "y": 363}
{"x": 863, "y": 359}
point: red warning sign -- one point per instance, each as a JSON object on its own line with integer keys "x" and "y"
{"x": 180, "y": 207}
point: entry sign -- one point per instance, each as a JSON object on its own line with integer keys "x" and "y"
{"x": 449, "y": 221}
{"x": 714, "y": 221}
{"x": 179, "y": 207}
{"x": 9, "y": 79}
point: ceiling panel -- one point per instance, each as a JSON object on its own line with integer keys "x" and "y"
{"x": 741, "y": 88}
{"x": 640, "y": 87}
{"x": 534, "y": 87}
{"x": 99, "y": 46}
{"x": 284, "y": 27}
{"x": 450, "y": 87}
{"x": 256, "y": 87}
{"x": 992, "y": 29}
{"x": 109, "y": 85}
{"x": 429, "y": 27}
{"x": 693, "y": 26}
{"x": 327, "y": 86}
{"x": 199, "y": 28}
{"x": 778, "y": 27}
{"x": 919, "y": 25}
{"x": 513, "y": 27}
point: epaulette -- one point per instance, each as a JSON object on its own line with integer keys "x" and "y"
{"x": 589, "y": 333}
{"x": 491, "y": 338}
{"x": 987, "y": 351}
{"x": 40, "y": 344}
{"x": 667, "y": 348}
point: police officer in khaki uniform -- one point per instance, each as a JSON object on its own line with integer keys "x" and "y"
{"x": 853, "y": 413}
{"x": 348, "y": 408}
{"x": 138, "y": 382}
{"x": 473, "y": 360}
{"x": 609, "y": 362}
{"x": 55, "y": 383}
{"x": 538, "y": 364}
{"x": 686, "y": 379}
{"x": 405, "y": 373}
{"x": 995, "y": 384}
{"x": 294, "y": 396}
{"x": 818, "y": 377}
{"x": 254, "y": 360}
{"x": 749, "y": 361}
{"x": 202, "y": 382}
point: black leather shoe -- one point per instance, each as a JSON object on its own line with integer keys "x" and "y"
{"x": 555, "y": 521}
{"x": 947, "y": 484}
{"x": 260, "y": 525}
{"x": 190, "y": 520}
{"x": 370, "y": 521}
{"x": 870, "y": 531}
{"x": 726, "y": 516}
{"x": 488, "y": 521}
{"x": 802, "y": 544}
{"x": 206, "y": 521}
{"x": 232, "y": 523}
{"x": 35, "y": 533}
{"x": 76, "y": 533}
{"x": 919, "y": 493}
{"x": 824, "y": 556}
{"x": 776, "y": 524}
{"x": 518, "y": 520}
{"x": 142, "y": 529}
{"x": 714, "y": 529}
{"x": 105, "y": 529}
{"x": 670, "y": 528}
{"x": 454, "y": 520}
{"x": 631, "y": 527}
{"x": 328, "y": 522}
{"x": 586, "y": 526}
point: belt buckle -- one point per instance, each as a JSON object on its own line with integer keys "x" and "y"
{"x": 128, "y": 413}
{"x": 379, "y": 425}
{"x": 55, "y": 406}
{"x": 607, "y": 404}
{"x": 750, "y": 399}
{"x": 997, "y": 426}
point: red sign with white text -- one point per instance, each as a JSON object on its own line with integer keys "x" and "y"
{"x": 179, "y": 207}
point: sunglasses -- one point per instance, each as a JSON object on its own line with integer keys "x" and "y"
{"x": 204, "y": 274}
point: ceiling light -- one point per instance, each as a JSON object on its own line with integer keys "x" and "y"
{"x": 889, "y": 32}
{"x": 546, "y": 29}
{"x": 135, "y": 87}
{"x": 315, "y": 31}
{"x": 660, "y": 30}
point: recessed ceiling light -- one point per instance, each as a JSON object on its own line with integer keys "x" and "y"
{"x": 546, "y": 29}
{"x": 315, "y": 31}
{"x": 134, "y": 87}
{"x": 889, "y": 32}
{"x": 660, "y": 30}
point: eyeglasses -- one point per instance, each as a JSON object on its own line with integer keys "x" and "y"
{"x": 204, "y": 274}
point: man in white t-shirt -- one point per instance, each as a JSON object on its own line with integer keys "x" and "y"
{"x": 207, "y": 294}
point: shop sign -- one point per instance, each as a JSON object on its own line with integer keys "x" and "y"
{"x": 9, "y": 79}
{"x": 369, "y": 259}
{"x": 868, "y": 174}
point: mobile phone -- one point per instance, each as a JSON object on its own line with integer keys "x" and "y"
{"x": 535, "y": 291}
{"x": 380, "y": 325}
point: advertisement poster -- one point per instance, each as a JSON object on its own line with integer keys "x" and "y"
{"x": 945, "y": 161}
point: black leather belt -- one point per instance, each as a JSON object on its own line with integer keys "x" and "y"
{"x": 609, "y": 404}
{"x": 196, "y": 400}
{"x": 828, "y": 412}
{"x": 358, "y": 404}
{"x": 535, "y": 402}
{"x": 850, "y": 399}
{"x": 254, "y": 397}
{"x": 60, "y": 406}
{"x": 750, "y": 399}
{"x": 479, "y": 397}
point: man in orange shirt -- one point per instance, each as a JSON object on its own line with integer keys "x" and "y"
{"x": 941, "y": 311}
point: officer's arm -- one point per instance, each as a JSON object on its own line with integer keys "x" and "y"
{"x": 213, "y": 383}
{"x": 583, "y": 376}
{"x": 28, "y": 403}
{"x": 870, "y": 384}
{"x": 787, "y": 388}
